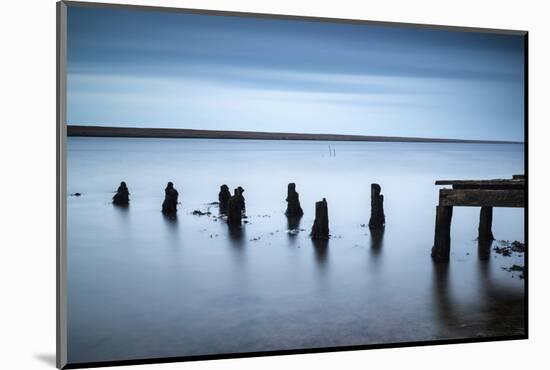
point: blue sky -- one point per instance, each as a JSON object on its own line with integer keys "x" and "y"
{"x": 157, "y": 69}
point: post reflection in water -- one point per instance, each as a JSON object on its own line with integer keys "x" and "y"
{"x": 293, "y": 228}
{"x": 236, "y": 236}
{"x": 122, "y": 207}
{"x": 123, "y": 213}
{"x": 173, "y": 232}
{"x": 320, "y": 247}
{"x": 441, "y": 295}
{"x": 171, "y": 223}
{"x": 376, "y": 242}
{"x": 494, "y": 306}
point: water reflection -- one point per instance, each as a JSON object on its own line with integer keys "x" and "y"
{"x": 376, "y": 242}
{"x": 499, "y": 304}
{"x": 170, "y": 220}
{"x": 172, "y": 227}
{"x": 121, "y": 206}
{"x": 494, "y": 307}
{"x": 484, "y": 250}
{"x": 441, "y": 292}
{"x": 122, "y": 209}
{"x": 293, "y": 228}
{"x": 123, "y": 215}
{"x": 320, "y": 247}
{"x": 236, "y": 236}
{"x": 237, "y": 239}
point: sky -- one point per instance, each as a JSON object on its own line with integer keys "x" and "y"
{"x": 135, "y": 68}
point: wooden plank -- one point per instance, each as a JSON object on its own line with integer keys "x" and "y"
{"x": 497, "y": 184}
{"x": 511, "y": 186}
{"x": 482, "y": 198}
{"x": 480, "y": 182}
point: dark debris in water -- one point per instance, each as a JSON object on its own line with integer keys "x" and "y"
{"x": 516, "y": 268}
{"x": 506, "y": 248}
{"x": 506, "y": 252}
{"x": 75, "y": 194}
{"x": 201, "y": 213}
{"x": 271, "y": 233}
{"x": 518, "y": 247}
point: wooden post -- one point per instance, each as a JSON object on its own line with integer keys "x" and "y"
{"x": 485, "y": 233}
{"x": 377, "y": 218}
{"x": 170, "y": 204}
{"x": 122, "y": 196}
{"x": 320, "y": 225}
{"x": 442, "y": 239}
{"x": 293, "y": 208}
{"x": 223, "y": 198}
{"x": 234, "y": 209}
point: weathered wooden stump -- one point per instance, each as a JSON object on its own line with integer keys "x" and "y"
{"x": 442, "y": 240}
{"x": 485, "y": 233}
{"x": 169, "y": 206}
{"x": 293, "y": 208}
{"x": 239, "y": 193}
{"x": 234, "y": 209}
{"x": 223, "y": 198}
{"x": 377, "y": 218}
{"x": 320, "y": 225}
{"x": 122, "y": 196}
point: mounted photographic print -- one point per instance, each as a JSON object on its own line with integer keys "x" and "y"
{"x": 234, "y": 184}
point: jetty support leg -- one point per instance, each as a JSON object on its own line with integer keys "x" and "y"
{"x": 485, "y": 233}
{"x": 442, "y": 238}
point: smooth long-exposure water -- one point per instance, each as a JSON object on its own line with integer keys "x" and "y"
{"x": 143, "y": 286}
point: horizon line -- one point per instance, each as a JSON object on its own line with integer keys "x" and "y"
{"x": 151, "y": 132}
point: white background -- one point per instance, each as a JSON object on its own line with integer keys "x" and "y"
{"x": 27, "y": 188}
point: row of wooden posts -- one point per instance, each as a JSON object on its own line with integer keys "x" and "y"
{"x": 472, "y": 193}
{"x": 233, "y": 206}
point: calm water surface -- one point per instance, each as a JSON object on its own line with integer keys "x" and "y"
{"x": 142, "y": 286}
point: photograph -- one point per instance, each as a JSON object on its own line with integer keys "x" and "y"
{"x": 240, "y": 184}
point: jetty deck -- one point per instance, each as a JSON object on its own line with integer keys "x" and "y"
{"x": 474, "y": 193}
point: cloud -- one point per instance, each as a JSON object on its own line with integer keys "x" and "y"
{"x": 181, "y": 70}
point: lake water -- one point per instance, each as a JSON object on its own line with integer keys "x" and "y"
{"x": 143, "y": 286}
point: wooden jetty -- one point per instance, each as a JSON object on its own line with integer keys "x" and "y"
{"x": 474, "y": 193}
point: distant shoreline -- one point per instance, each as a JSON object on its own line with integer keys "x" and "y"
{"x": 137, "y": 132}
